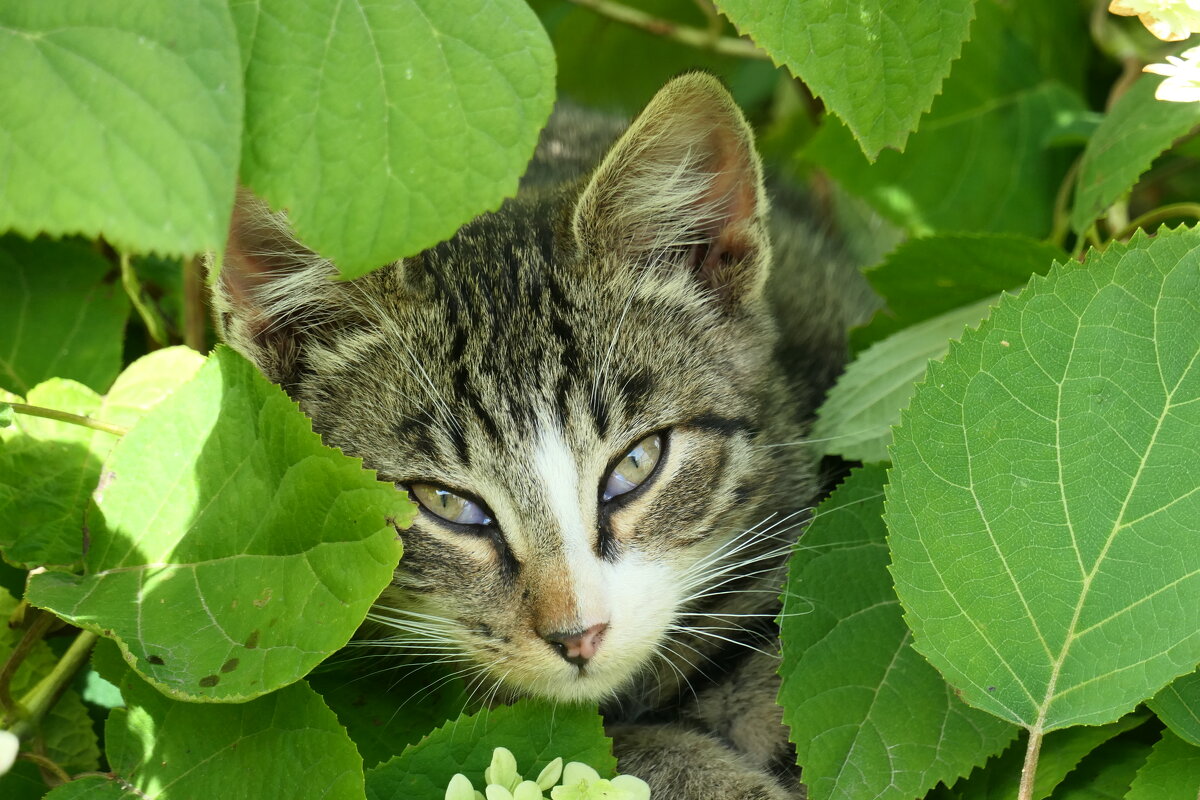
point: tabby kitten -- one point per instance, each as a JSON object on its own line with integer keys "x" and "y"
{"x": 590, "y": 392}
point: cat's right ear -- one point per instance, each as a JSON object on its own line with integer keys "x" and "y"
{"x": 271, "y": 291}
{"x": 682, "y": 189}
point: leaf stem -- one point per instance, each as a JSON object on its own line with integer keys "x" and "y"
{"x": 155, "y": 326}
{"x": 193, "y": 305}
{"x": 33, "y": 634}
{"x": 66, "y": 416}
{"x": 41, "y": 698}
{"x": 1033, "y": 749}
{"x": 1160, "y": 214}
{"x": 46, "y": 764}
{"x": 1062, "y": 216}
{"x": 684, "y": 34}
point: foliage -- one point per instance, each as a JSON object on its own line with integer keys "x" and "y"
{"x": 1020, "y": 619}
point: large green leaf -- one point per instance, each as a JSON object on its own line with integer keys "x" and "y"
{"x": 231, "y": 551}
{"x": 868, "y": 715}
{"x": 1178, "y": 705}
{"x": 856, "y": 419}
{"x": 535, "y": 731}
{"x": 385, "y": 713}
{"x": 1046, "y": 485}
{"x": 1061, "y": 753}
{"x": 49, "y": 469}
{"x": 384, "y": 125}
{"x": 286, "y": 745}
{"x": 1106, "y": 772}
{"x": 877, "y": 64}
{"x": 125, "y": 121}
{"x": 59, "y": 315}
{"x": 1134, "y": 132}
{"x": 982, "y": 160}
{"x": 1172, "y": 772}
{"x": 925, "y": 277}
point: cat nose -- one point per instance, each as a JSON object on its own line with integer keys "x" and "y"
{"x": 578, "y": 647}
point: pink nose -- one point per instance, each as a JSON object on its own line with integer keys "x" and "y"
{"x": 578, "y": 647}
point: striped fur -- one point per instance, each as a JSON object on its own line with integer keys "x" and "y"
{"x": 517, "y": 361}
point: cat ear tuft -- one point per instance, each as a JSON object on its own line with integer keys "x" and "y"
{"x": 271, "y": 290}
{"x": 683, "y": 188}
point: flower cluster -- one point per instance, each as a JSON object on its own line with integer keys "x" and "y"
{"x": 1169, "y": 20}
{"x": 579, "y": 782}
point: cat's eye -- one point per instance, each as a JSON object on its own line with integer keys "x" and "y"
{"x": 449, "y": 506}
{"x": 634, "y": 467}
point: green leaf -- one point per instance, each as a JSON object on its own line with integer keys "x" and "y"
{"x": 126, "y": 122}
{"x": 383, "y": 127}
{"x": 383, "y": 716}
{"x": 535, "y": 731}
{"x": 1106, "y": 773}
{"x": 231, "y": 551}
{"x": 982, "y": 159}
{"x": 6, "y": 415}
{"x": 49, "y": 469}
{"x": 926, "y": 277}
{"x": 877, "y": 64}
{"x": 856, "y": 419}
{"x": 287, "y": 744}
{"x": 66, "y": 731}
{"x": 1061, "y": 753}
{"x": 1172, "y": 772}
{"x": 59, "y": 315}
{"x": 1132, "y": 135}
{"x": 1178, "y": 705}
{"x": 1044, "y": 494}
{"x": 868, "y": 715}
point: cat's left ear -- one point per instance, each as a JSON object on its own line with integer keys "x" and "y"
{"x": 682, "y": 189}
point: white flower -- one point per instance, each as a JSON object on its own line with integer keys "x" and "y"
{"x": 9, "y": 745}
{"x": 581, "y": 782}
{"x": 503, "y": 771}
{"x": 1169, "y": 20}
{"x": 526, "y": 790}
{"x": 550, "y": 774}
{"x": 1183, "y": 77}
{"x": 461, "y": 789}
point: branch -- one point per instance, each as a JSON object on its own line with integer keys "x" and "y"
{"x": 193, "y": 306}
{"x": 66, "y": 416}
{"x": 42, "y": 697}
{"x": 153, "y": 321}
{"x": 684, "y": 34}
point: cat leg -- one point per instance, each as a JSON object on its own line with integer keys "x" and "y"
{"x": 683, "y": 764}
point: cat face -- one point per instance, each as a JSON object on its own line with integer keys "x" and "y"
{"x": 574, "y": 388}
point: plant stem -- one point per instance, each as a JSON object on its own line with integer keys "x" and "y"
{"x": 193, "y": 306}
{"x": 684, "y": 34}
{"x": 1160, "y": 214}
{"x": 46, "y": 764}
{"x": 1062, "y": 214}
{"x": 154, "y": 323}
{"x": 41, "y": 698}
{"x": 33, "y": 634}
{"x": 66, "y": 416}
{"x": 1033, "y": 749}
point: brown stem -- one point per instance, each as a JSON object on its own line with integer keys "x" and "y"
{"x": 193, "y": 305}
{"x": 684, "y": 34}
{"x": 42, "y": 697}
{"x": 47, "y": 765}
{"x": 66, "y": 416}
{"x": 33, "y": 634}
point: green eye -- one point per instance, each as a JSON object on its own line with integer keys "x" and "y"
{"x": 450, "y": 506}
{"x": 634, "y": 468}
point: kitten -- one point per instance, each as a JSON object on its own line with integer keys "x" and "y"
{"x": 595, "y": 394}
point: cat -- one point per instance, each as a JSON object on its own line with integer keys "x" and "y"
{"x": 598, "y": 395}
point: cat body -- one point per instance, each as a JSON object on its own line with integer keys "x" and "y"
{"x": 598, "y": 394}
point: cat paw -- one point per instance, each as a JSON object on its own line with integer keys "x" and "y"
{"x": 683, "y": 764}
